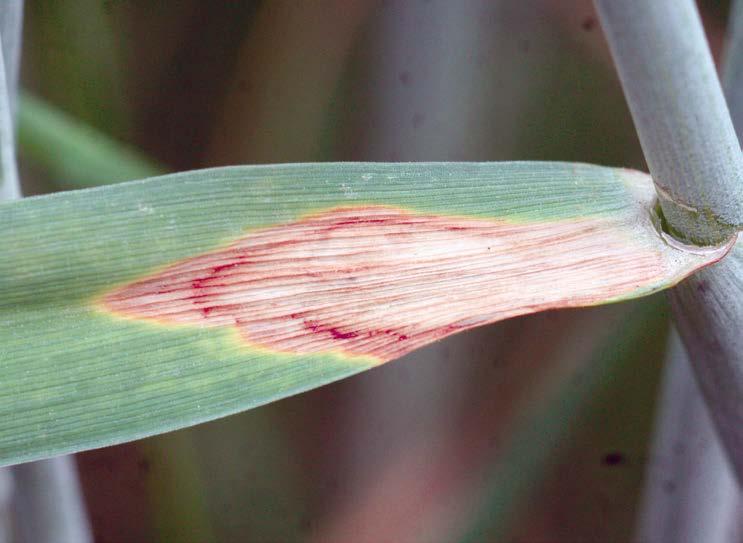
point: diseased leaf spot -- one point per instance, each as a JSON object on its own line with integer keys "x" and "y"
{"x": 379, "y": 281}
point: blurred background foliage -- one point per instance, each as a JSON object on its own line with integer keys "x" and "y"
{"x": 535, "y": 429}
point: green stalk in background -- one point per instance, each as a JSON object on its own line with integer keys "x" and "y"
{"x": 75, "y": 154}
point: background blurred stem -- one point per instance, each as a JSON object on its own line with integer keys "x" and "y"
{"x": 10, "y": 188}
{"x": 11, "y": 26}
{"x": 6, "y": 497}
{"x": 46, "y": 499}
{"x": 694, "y": 156}
{"x": 83, "y": 156}
{"x": 732, "y": 72}
{"x": 48, "y": 503}
{"x": 690, "y": 491}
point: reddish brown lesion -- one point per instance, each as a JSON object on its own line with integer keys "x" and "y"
{"x": 380, "y": 282}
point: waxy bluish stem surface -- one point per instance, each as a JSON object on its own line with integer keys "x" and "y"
{"x": 680, "y": 113}
{"x": 694, "y": 157}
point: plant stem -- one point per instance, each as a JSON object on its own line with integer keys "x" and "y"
{"x": 690, "y": 491}
{"x": 11, "y": 26}
{"x": 9, "y": 190}
{"x": 46, "y": 496}
{"x": 82, "y": 156}
{"x": 732, "y": 72}
{"x": 694, "y": 156}
{"x": 670, "y": 82}
{"x": 48, "y": 502}
{"x": 712, "y": 301}
{"x": 709, "y": 314}
{"x": 6, "y": 495}
{"x": 9, "y": 187}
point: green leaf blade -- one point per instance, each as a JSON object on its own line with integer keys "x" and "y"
{"x": 79, "y": 371}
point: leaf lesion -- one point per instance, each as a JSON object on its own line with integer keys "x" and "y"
{"x": 379, "y": 281}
